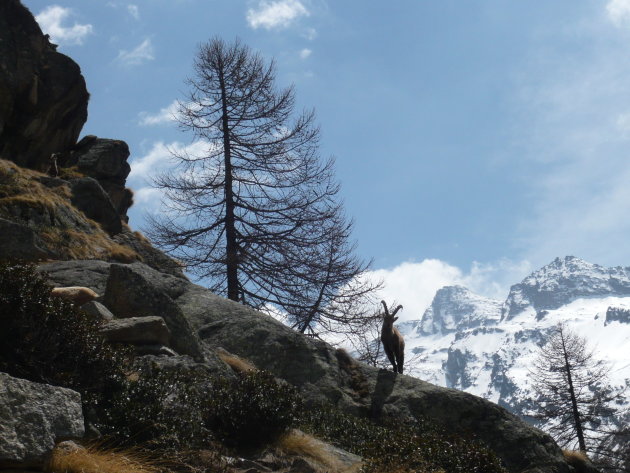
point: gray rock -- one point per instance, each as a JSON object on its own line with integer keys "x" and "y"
{"x": 137, "y": 330}
{"x": 101, "y": 158}
{"x": 617, "y": 314}
{"x": 89, "y": 197}
{"x": 106, "y": 161}
{"x": 150, "y": 256}
{"x": 33, "y": 417}
{"x": 43, "y": 97}
{"x": 151, "y": 296}
{"x": 87, "y": 273}
{"x": 97, "y": 310}
{"x": 21, "y": 242}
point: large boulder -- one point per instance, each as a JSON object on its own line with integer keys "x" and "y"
{"x": 106, "y": 161}
{"x": 33, "y": 417}
{"x": 43, "y": 96}
{"x": 137, "y": 330}
{"x": 86, "y": 273}
{"x": 136, "y": 290}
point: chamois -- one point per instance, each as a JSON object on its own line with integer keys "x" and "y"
{"x": 393, "y": 341}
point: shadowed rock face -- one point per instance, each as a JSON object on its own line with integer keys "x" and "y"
{"x": 43, "y": 96}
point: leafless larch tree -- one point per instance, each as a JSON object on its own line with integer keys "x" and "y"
{"x": 575, "y": 398}
{"x": 257, "y": 214}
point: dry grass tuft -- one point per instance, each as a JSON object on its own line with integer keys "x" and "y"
{"x": 94, "y": 459}
{"x": 300, "y": 444}
{"x": 238, "y": 364}
{"x": 78, "y": 245}
{"x": 577, "y": 459}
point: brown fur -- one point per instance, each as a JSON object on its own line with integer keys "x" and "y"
{"x": 393, "y": 341}
{"x": 75, "y": 294}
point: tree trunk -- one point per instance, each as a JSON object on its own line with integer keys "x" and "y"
{"x": 576, "y": 413}
{"x": 231, "y": 247}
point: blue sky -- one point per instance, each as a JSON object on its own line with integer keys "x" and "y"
{"x": 475, "y": 141}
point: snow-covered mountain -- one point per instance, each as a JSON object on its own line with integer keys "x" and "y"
{"x": 486, "y": 346}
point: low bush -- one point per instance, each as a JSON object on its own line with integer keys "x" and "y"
{"x": 158, "y": 409}
{"x": 402, "y": 447}
{"x": 251, "y": 410}
{"x": 46, "y": 339}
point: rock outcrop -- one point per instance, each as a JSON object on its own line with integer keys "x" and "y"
{"x": 43, "y": 96}
{"x": 33, "y": 417}
{"x": 106, "y": 161}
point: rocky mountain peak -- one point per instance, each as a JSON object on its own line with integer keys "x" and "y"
{"x": 456, "y": 307}
{"x": 565, "y": 280}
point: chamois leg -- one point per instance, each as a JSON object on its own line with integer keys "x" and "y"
{"x": 400, "y": 359}
{"x": 392, "y": 359}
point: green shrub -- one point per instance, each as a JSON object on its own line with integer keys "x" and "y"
{"x": 251, "y": 410}
{"x": 158, "y": 409}
{"x": 46, "y": 339}
{"x": 185, "y": 409}
{"x": 401, "y": 447}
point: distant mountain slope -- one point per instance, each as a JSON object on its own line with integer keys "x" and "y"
{"x": 485, "y": 347}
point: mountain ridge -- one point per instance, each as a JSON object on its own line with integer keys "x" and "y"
{"x": 492, "y": 346}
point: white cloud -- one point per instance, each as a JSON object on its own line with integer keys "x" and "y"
{"x": 50, "y": 20}
{"x": 159, "y": 158}
{"x": 414, "y": 284}
{"x": 167, "y": 114}
{"x": 134, "y": 11}
{"x": 140, "y": 54}
{"x": 310, "y": 34}
{"x": 275, "y": 14}
{"x": 305, "y": 53}
{"x": 618, "y": 11}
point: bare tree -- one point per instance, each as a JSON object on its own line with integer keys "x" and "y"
{"x": 575, "y": 399}
{"x": 257, "y": 214}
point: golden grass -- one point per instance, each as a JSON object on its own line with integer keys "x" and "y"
{"x": 303, "y": 445}
{"x": 73, "y": 244}
{"x": 94, "y": 459}
{"x": 238, "y": 364}
{"x": 577, "y": 459}
{"x": 19, "y": 187}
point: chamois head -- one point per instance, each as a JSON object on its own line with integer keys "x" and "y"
{"x": 390, "y": 318}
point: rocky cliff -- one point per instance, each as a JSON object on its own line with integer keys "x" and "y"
{"x": 43, "y": 96}
{"x": 73, "y": 224}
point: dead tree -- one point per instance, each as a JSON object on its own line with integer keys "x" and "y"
{"x": 393, "y": 341}
{"x": 256, "y": 215}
